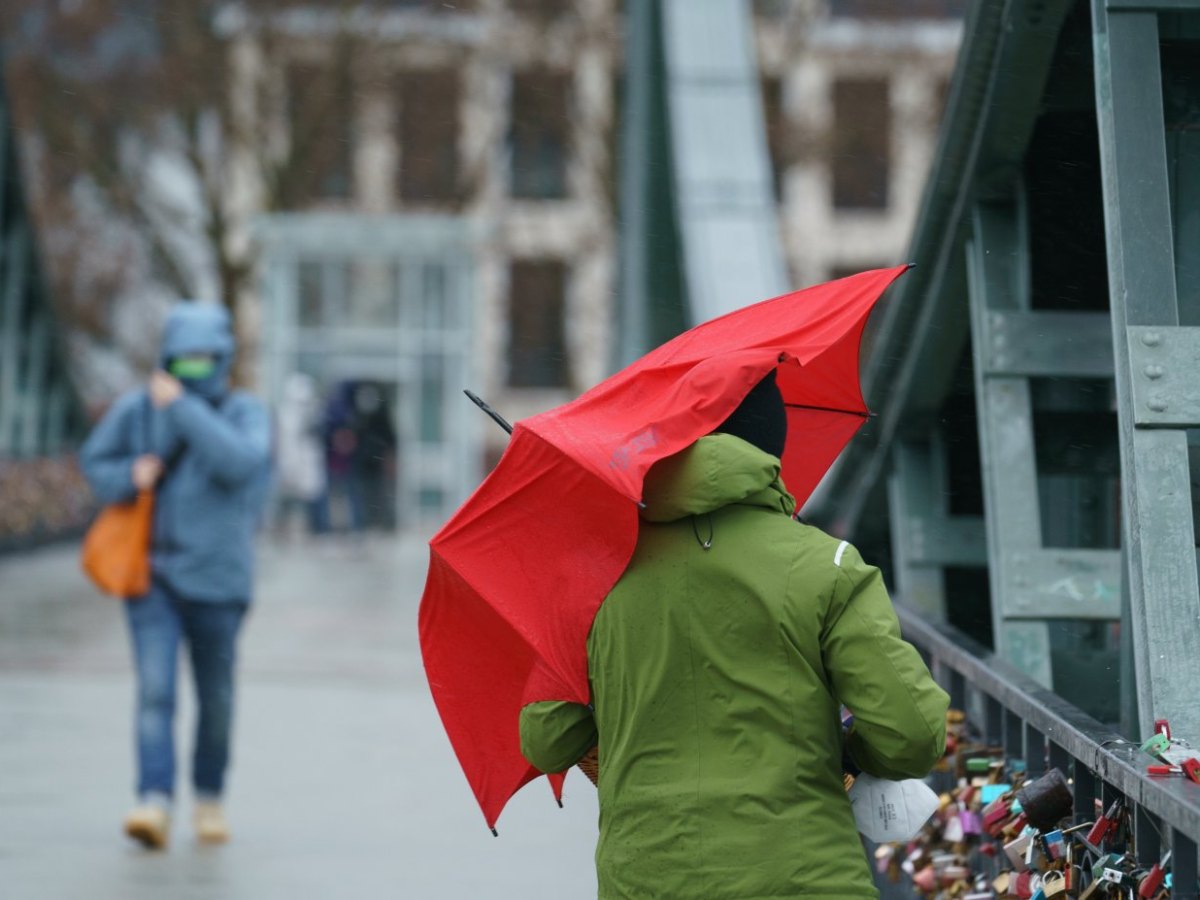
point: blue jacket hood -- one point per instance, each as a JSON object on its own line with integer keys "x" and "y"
{"x": 194, "y": 327}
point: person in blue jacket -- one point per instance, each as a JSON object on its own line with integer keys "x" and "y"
{"x": 204, "y": 449}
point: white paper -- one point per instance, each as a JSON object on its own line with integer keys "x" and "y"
{"x": 891, "y": 810}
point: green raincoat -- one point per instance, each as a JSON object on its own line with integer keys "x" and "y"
{"x": 716, "y": 678}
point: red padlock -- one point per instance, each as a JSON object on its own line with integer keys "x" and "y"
{"x": 1191, "y": 768}
{"x": 1163, "y": 727}
{"x": 1164, "y": 770}
{"x": 1024, "y": 884}
{"x": 1105, "y": 825}
{"x": 1150, "y": 885}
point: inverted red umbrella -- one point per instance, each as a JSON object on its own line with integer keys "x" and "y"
{"x": 517, "y": 574}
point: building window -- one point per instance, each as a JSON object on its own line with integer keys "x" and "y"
{"x": 776, "y": 123}
{"x": 773, "y": 9}
{"x": 439, "y": 6}
{"x": 891, "y": 9}
{"x": 862, "y": 126}
{"x": 537, "y": 346}
{"x": 541, "y": 9}
{"x": 428, "y": 135}
{"x": 540, "y": 134}
{"x": 321, "y": 129}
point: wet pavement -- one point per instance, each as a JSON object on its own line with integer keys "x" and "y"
{"x": 343, "y": 782}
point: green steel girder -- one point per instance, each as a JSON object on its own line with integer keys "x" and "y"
{"x": 1002, "y": 70}
{"x": 1158, "y": 534}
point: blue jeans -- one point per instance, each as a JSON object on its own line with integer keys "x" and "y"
{"x": 157, "y": 622}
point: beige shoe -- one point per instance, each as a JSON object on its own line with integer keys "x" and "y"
{"x": 209, "y": 819}
{"x": 149, "y": 824}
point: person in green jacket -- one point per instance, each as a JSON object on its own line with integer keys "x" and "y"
{"x": 718, "y": 666}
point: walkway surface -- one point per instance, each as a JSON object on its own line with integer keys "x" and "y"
{"x": 343, "y": 782}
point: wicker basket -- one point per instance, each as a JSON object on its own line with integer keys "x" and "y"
{"x": 590, "y": 765}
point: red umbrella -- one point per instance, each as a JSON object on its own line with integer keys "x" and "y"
{"x": 517, "y": 574}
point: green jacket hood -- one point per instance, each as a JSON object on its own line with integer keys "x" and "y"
{"x": 714, "y": 472}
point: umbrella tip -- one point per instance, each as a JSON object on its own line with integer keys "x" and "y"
{"x": 911, "y": 265}
{"x": 559, "y": 799}
{"x": 495, "y": 833}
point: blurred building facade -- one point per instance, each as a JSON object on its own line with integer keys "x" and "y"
{"x": 470, "y": 149}
{"x": 423, "y": 195}
{"x": 853, "y": 92}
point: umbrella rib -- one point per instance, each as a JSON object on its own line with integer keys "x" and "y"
{"x": 862, "y": 414}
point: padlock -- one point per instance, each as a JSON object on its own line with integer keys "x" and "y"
{"x": 1054, "y": 884}
{"x": 1191, "y": 768}
{"x": 884, "y": 854}
{"x": 1149, "y": 885}
{"x": 1055, "y": 844}
{"x": 1046, "y": 800}
{"x": 925, "y": 879}
{"x": 1015, "y": 827}
{"x": 1002, "y": 882}
{"x": 1025, "y": 884}
{"x": 1163, "y": 727}
{"x": 1015, "y": 850}
{"x": 990, "y": 793}
{"x": 1106, "y": 861}
{"x": 1106, "y": 825}
{"x": 1156, "y": 745}
{"x": 954, "y": 831}
{"x": 995, "y": 820}
{"x": 1031, "y": 853}
{"x": 1118, "y": 877}
{"x": 951, "y": 875}
{"x": 969, "y": 820}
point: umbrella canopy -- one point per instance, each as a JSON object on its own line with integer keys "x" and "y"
{"x": 517, "y": 574}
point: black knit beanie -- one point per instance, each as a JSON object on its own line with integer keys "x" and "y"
{"x": 760, "y": 419}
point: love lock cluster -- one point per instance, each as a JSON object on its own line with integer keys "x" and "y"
{"x": 1000, "y": 834}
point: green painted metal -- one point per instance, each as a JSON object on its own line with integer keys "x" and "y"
{"x": 1062, "y": 584}
{"x": 1164, "y": 363}
{"x": 635, "y": 180}
{"x": 1152, "y": 5}
{"x": 913, "y": 492}
{"x": 998, "y": 282}
{"x": 1049, "y": 344}
{"x": 12, "y": 329}
{"x": 725, "y": 210}
{"x": 1001, "y": 74}
{"x": 1158, "y": 531}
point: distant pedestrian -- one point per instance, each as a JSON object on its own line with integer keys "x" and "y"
{"x": 374, "y": 462}
{"x": 341, "y": 447}
{"x": 204, "y": 449}
{"x": 300, "y": 454}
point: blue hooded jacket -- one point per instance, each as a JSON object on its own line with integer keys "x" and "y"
{"x": 215, "y": 444}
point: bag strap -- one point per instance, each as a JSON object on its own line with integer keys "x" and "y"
{"x": 147, "y": 443}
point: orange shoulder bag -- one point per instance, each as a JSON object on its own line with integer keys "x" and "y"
{"x": 116, "y": 548}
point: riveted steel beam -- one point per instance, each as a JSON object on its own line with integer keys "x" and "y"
{"x": 1164, "y": 364}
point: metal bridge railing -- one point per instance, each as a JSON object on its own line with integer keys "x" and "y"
{"x": 1039, "y": 727}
